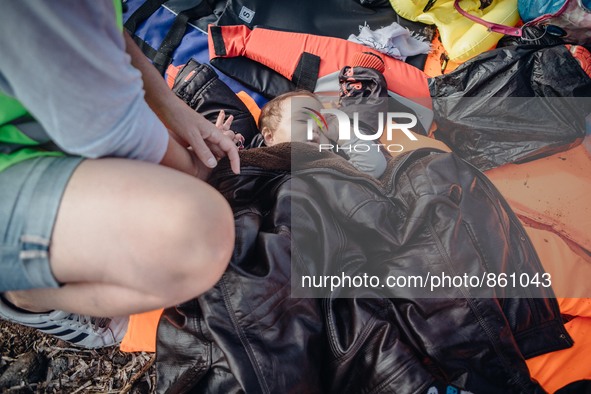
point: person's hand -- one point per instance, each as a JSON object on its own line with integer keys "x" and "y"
{"x": 205, "y": 139}
{"x": 225, "y": 128}
{"x": 187, "y": 127}
{"x": 177, "y": 156}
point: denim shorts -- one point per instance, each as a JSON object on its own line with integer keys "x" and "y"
{"x": 30, "y": 196}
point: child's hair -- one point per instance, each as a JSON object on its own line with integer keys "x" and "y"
{"x": 270, "y": 116}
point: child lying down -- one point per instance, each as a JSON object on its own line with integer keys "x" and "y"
{"x": 286, "y": 117}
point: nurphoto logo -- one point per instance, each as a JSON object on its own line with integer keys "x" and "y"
{"x": 388, "y": 121}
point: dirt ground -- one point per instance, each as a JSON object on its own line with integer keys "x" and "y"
{"x": 31, "y": 362}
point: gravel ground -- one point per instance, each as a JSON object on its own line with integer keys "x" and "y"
{"x": 31, "y": 362}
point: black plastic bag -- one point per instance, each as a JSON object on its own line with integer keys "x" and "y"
{"x": 512, "y": 104}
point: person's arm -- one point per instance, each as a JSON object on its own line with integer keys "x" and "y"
{"x": 186, "y": 125}
{"x": 76, "y": 79}
{"x": 179, "y": 158}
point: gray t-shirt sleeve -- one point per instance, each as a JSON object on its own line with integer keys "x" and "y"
{"x": 65, "y": 60}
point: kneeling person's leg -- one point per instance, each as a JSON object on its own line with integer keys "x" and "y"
{"x": 131, "y": 236}
{"x": 29, "y": 201}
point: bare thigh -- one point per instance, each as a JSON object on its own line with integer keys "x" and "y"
{"x": 141, "y": 227}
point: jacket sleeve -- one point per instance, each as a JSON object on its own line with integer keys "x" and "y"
{"x": 199, "y": 86}
{"x": 442, "y": 221}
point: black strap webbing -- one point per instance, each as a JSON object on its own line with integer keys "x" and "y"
{"x": 305, "y": 75}
{"x": 145, "y": 47}
{"x": 141, "y": 14}
{"x": 218, "y": 41}
{"x": 176, "y": 33}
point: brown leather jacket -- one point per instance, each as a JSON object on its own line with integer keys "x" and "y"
{"x": 429, "y": 212}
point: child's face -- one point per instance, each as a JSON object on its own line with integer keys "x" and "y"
{"x": 295, "y": 113}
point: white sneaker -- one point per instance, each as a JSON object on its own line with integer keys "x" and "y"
{"x": 83, "y": 331}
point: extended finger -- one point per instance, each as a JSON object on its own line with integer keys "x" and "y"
{"x": 219, "y": 123}
{"x": 228, "y": 122}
